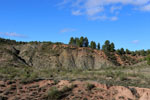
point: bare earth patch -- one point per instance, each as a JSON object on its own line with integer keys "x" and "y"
{"x": 69, "y": 90}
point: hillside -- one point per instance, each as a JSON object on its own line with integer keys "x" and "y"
{"x": 57, "y": 71}
{"x": 58, "y": 55}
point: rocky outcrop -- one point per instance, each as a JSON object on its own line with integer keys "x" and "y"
{"x": 50, "y": 55}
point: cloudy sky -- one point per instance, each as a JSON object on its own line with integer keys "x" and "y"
{"x": 124, "y": 22}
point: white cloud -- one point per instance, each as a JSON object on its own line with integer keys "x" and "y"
{"x": 146, "y": 8}
{"x": 103, "y": 17}
{"x": 94, "y": 10}
{"x": 135, "y": 41}
{"x": 77, "y": 12}
{"x": 114, "y": 18}
{"x": 65, "y": 30}
{"x": 114, "y": 8}
{"x": 97, "y": 9}
{"x": 12, "y": 34}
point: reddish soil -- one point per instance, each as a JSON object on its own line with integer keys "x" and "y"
{"x": 38, "y": 90}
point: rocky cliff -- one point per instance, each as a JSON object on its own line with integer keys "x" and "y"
{"x": 47, "y": 54}
{"x": 51, "y": 55}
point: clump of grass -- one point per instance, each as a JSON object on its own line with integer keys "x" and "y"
{"x": 90, "y": 86}
{"x": 28, "y": 75}
{"x": 54, "y": 94}
{"x": 123, "y": 78}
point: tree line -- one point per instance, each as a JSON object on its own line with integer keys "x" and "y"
{"x": 107, "y": 46}
{"x": 84, "y": 42}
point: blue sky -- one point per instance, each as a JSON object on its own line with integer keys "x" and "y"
{"x": 124, "y": 22}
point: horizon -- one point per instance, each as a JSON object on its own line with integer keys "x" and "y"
{"x": 101, "y": 45}
{"x": 124, "y": 22}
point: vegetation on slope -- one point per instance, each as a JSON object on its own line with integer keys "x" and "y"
{"x": 132, "y": 75}
{"x": 126, "y": 76}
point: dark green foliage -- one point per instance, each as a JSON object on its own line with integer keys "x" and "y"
{"x": 11, "y": 42}
{"x": 128, "y": 59}
{"x": 128, "y": 51}
{"x": 58, "y": 43}
{"x": 106, "y": 46}
{"x": 86, "y": 42}
{"x": 109, "y": 50}
{"x": 148, "y": 59}
{"x": 148, "y": 52}
{"x": 120, "y": 51}
{"x": 55, "y": 94}
{"x": 133, "y": 53}
{"x": 82, "y": 42}
{"x": 143, "y": 52}
{"x": 111, "y": 57}
{"x": 72, "y": 41}
{"x": 93, "y": 45}
{"x": 90, "y": 86}
{"x": 7, "y": 41}
{"x": 98, "y": 46}
{"x": 112, "y": 47}
{"x": 77, "y": 42}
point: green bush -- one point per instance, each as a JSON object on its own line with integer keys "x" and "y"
{"x": 148, "y": 59}
{"x": 54, "y": 94}
{"x": 90, "y": 86}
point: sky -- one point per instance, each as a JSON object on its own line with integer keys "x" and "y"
{"x": 124, "y": 22}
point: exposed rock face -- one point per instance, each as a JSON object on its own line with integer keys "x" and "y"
{"x": 38, "y": 90}
{"x": 53, "y": 56}
{"x": 9, "y": 57}
{"x": 43, "y": 55}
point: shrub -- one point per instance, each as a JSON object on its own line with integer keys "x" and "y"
{"x": 90, "y": 86}
{"x": 53, "y": 94}
{"x": 148, "y": 59}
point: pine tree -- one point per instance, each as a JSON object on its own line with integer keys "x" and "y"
{"x": 148, "y": 52}
{"x": 128, "y": 51}
{"x": 72, "y": 41}
{"x": 77, "y": 41}
{"x": 98, "y": 46}
{"x": 143, "y": 52}
{"x": 118, "y": 51}
{"x": 106, "y": 46}
{"x": 81, "y": 41}
{"x": 112, "y": 47}
{"x": 122, "y": 51}
{"x": 93, "y": 45}
{"x": 86, "y": 42}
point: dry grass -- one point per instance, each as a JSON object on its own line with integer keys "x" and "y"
{"x": 126, "y": 76}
